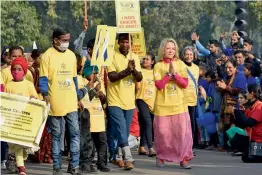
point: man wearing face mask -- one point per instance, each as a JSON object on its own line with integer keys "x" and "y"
{"x": 59, "y": 87}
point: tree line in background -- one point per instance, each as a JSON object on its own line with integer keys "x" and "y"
{"x": 27, "y": 21}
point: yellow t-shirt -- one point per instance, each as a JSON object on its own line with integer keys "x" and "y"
{"x": 1, "y": 78}
{"x": 122, "y": 92}
{"x": 7, "y": 75}
{"x": 100, "y": 76}
{"x": 29, "y": 76}
{"x": 23, "y": 88}
{"x": 171, "y": 99}
{"x": 146, "y": 89}
{"x": 97, "y": 114}
{"x": 60, "y": 68}
{"x": 191, "y": 89}
{"x": 81, "y": 83}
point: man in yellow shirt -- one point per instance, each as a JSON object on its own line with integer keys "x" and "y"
{"x": 124, "y": 72}
{"x": 59, "y": 87}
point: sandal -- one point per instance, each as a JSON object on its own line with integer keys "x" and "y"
{"x": 160, "y": 163}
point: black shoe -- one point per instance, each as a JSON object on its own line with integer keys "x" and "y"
{"x": 76, "y": 171}
{"x": 69, "y": 168}
{"x": 11, "y": 164}
{"x": 86, "y": 168}
{"x": 194, "y": 153}
{"x": 103, "y": 168}
{"x": 57, "y": 172}
{"x": 201, "y": 146}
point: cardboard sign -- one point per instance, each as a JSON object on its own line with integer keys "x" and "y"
{"x": 128, "y": 16}
{"x": 138, "y": 46}
{"x": 104, "y": 46}
{"x": 22, "y": 120}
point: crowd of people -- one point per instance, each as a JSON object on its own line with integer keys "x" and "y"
{"x": 202, "y": 97}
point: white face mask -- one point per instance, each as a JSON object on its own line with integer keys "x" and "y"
{"x": 63, "y": 46}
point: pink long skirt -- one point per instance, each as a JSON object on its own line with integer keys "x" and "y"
{"x": 173, "y": 137}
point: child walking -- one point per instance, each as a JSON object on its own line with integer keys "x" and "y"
{"x": 96, "y": 109}
{"x": 86, "y": 143}
{"x": 19, "y": 86}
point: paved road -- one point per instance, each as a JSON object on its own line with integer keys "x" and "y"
{"x": 205, "y": 163}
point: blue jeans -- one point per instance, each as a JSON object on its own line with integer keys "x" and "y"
{"x": 74, "y": 133}
{"x": 219, "y": 133}
{"x": 120, "y": 121}
{"x": 3, "y": 151}
{"x": 111, "y": 139}
{"x": 204, "y": 136}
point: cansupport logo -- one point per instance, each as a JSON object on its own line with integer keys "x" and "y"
{"x": 65, "y": 83}
{"x": 127, "y": 5}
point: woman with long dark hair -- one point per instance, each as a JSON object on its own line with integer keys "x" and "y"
{"x": 230, "y": 86}
{"x": 251, "y": 120}
{"x": 145, "y": 99}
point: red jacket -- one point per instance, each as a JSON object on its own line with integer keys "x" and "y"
{"x": 255, "y": 112}
{"x": 2, "y": 89}
{"x": 134, "y": 127}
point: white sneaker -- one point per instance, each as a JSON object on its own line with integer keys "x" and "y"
{"x": 3, "y": 166}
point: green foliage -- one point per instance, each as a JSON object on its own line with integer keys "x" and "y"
{"x": 20, "y": 23}
{"x": 256, "y": 8}
{"x": 23, "y": 22}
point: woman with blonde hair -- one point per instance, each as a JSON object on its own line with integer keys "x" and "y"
{"x": 172, "y": 127}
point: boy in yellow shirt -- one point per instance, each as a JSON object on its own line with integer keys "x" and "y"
{"x": 96, "y": 109}
{"x": 86, "y": 143}
{"x": 19, "y": 86}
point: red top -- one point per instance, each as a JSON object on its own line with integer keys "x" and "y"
{"x": 2, "y": 89}
{"x": 255, "y": 112}
{"x": 134, "y": 127}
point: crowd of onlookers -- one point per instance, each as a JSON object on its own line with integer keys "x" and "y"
{"x": 202, "y": 97}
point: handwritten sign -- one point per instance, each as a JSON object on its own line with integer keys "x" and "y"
{"x": 138, "y": 46}
{"x": 128, "y": 16}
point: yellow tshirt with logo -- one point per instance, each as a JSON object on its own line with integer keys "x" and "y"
{"x": 60, "y": 68}
{"x": 146, "y": 89}
{"x": 7, "y": 75}
{"x": 171, "y": 99}
{"x": 122, "y": 92}
{"x": 97, "y": 114}
{"x": 81, "y": 83}
{"x": 190, "y": 91}
{"x": 23, "y": 88}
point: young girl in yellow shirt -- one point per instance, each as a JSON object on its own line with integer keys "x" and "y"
{"x": 14, "y": 52}
{"x": 19, "y": 86}
{"x": 145, "y": 99}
